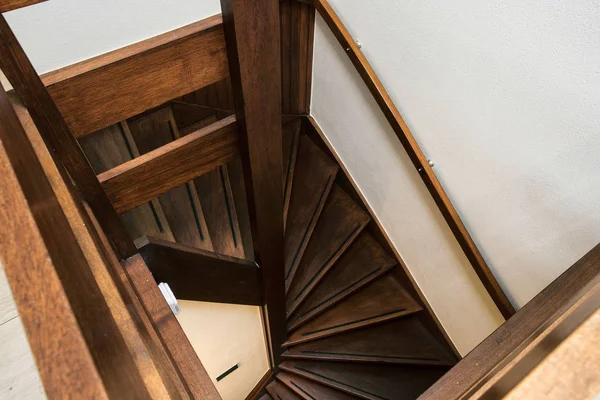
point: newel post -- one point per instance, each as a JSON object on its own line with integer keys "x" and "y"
{"x": 253, "y": 46}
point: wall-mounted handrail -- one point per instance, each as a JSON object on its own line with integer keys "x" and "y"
{"x": 417, "y": 157}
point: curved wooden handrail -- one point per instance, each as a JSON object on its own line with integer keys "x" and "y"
{"x": 417, "y": 157}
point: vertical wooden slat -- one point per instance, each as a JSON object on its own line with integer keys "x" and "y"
{"x": 249, "y": 31}
{"x": 286, "y": 53}
{"x": 53, "y": 128}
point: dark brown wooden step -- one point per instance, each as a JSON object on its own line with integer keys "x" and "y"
{"x": 238, "y": 190}
{"x": 291, "y": 134}
{"x": 311, "y": 390}
{"x": 279, "y": 391}
{"x": 314, "y": 174}
{"x": 363, "y": 262}
{"x": 340, "y": 222}
{"x": 368, "y": 381}
{"x": 265, "y": 396}
{"x": 382, "y": 300}
{"x": 181, "y": 206}
{"x": 400, "y": 341}
{"x": 109, "y": 148}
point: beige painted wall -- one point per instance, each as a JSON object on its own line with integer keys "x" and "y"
{"x": 224, "y": 335}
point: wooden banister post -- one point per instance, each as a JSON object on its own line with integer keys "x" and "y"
{"x": 253, "y": 46}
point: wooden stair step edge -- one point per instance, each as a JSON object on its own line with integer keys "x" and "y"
{"x": 368, "y": 381}
{"x": 399, "y": 341}
{"x": 363, "y": 262}
{"x": 181, "y": 206}
{"x": 314, "y": 174}
{"x": 311, "y": 390}
{"x": 279, "y": 391}
{"x": 382, "y": 300}
{"x": 340, "y": 222}
{"x": 265, "y": 396}
{"x": 291, "y": 134}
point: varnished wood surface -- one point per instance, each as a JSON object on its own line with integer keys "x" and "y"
{"x": 291, "y": 134}
{"x": 250, "y": 30}
{"x": 53, "y": 128}
{"x": 152, "y": 174}
{"x": 363, "y": 262}
{"x": 279, "y": 391}
{"x": 139, "y": 77}
{"x": 9, "y": 5}
{"x": 199, "y": 275}
{"x": 504, "y": 344}
{"x": 310, "y": 390}
{"x": 238, "y": 190}
{"x": 417, "y": 157}
{"x": 382, "y": 300}
{"x": 340, "y": 222}
{"x": 313, "y": 178}
{"x": 400, "y": 341}
{"x": 368, "y": 381}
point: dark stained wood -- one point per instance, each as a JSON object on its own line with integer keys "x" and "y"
{"x": 339, "y": 224}
{"x": 109, "y": 148}
{"x": 139, "y": 77}
{"x": 260, "y": 386}
{"x": 364, "y": 261}
{"x": 279, "y": 391}
{"x": 380, "y": 301}
{"x": 9, "y": 5}
{"x": 171, "y": 334}
{"x": 368, "y": 381}
{"x": 417, "y": 157}
{"x": 238, "y": 190}
{"x": 200, "y": 275}
{"x": 250, "y": 29}
{"x": 18, "y": 69}
{"x": 217, "y": 97}
{"x": 313, "y": 178}
{"x": 506, "y": 342}
{"x": 291, "y": 134}
{"x": 55, "y": 250}
{"x": 152, "y": 174}
{"x": 216, "y": 198}
{"x": 310, "y": 390}
{"x": 400, "y": 341}
{"x": 297, "y": 35}
{"x": 181, "y": 206}
{"x": 265, "y": 396}
{"x": 134, "y": 323}
{"x": 187, "y": 115}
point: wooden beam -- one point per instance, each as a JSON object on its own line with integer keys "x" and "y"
{"x": 504, "y": 344}
{"x": 156, "y": 172}
{"x": 417, "y": 157}
{"x": 250, "y": 29}
{"x": 56, "y": 266}
{"x": 9, "y": 5}
{"x": 200, "y": 275}
{"x": 112, "y": 87}
{"x": 53, "y": 128}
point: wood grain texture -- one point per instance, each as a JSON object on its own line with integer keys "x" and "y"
{"x": 250, "y": 29}
{"x": 181, "y": 206}
{"x": 382, "y": 300}
{"x": 9, "y": 5}
{"x": 238, "y": 190}
{"x": 139, "y": 77}
{"x": 57, "y": 135}
{"x": 199, "y": 275}
{"x": 417, "y": 157}
{"x": 507, "y": 341}
{"x": 364, "y": 261}
{"x": 368, "y": 381}
{"x": 310, "y": 390}
{"x": 279, "y": 391}
{"x": 400, "y": 341}
{"x": 152, "y": 174}
{"x": 60, "y": 350}
{"x": 314, "y": 175}
{"x": 180, "y": 350}
{"x": 339, "y": 224}
{"x": 291, "y": 135}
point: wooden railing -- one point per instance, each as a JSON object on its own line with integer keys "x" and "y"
{"x": 417, "y": 157}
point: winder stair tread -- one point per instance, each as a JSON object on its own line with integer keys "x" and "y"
{"x": 279, "y": 391}
{"x": 311, "y": 390}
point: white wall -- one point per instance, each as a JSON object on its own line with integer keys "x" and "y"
{"x": 505, "y": 99}
{"x": 58, "y": 33}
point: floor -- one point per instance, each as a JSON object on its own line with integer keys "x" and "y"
{"x": 19, "y": 378}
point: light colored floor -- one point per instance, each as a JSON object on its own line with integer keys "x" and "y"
{"x": 19, "y": 378}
